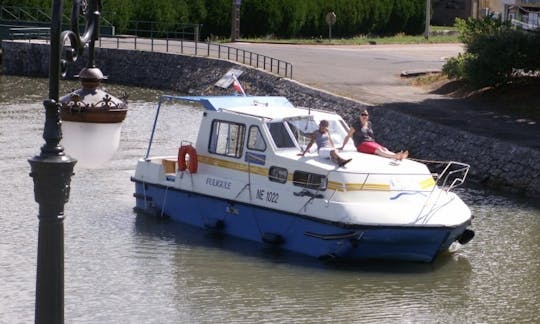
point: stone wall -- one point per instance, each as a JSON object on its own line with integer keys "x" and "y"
{"x": 493, "y": 163}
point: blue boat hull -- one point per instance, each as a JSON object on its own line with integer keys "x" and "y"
{"x": 294, "y": 232}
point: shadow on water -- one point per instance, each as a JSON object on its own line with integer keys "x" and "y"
{"x": 190, "y": 236}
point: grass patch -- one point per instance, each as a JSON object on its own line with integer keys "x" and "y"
{"x": 359, "y": 40}
{"x": 429, "y": 80}
{"x": 440, "y": 34}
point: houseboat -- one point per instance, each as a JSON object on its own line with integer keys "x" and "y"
{"x": 243, "y": 177}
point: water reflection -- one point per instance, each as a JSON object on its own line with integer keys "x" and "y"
{"x": 135, "y": 269}
{"x": 231, "y": 278}
{"x": 188, "y": 236}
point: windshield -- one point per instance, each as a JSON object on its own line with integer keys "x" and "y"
{"x": 302, "y": 128}
{"x": 338, "y": 131}
{"x": 280, "y": 135}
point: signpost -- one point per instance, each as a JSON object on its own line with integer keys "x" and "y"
{"x": 330, "y": 20}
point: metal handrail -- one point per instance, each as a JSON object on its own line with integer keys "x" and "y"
{"x": 194, "y": 47}
{"x": 29, "y": 33}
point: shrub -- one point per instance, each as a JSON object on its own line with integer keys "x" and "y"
{"x": 495, "y": 53}
{"x": 455, "y": 66}
{"x": 471, "y": 28}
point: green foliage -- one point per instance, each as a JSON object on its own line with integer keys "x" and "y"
{"x": 260, "y": 18}
{"x": 121, "y": 15}
{"x": 197, "y": 11}
{"x": 293, "y": 17}
{"x": 471, "y": 28}
{"x": 495, "y": 53}
{"x": 380, "y": 12}
{"x": 218, "y": 18}
{"x": 455, "y": 66}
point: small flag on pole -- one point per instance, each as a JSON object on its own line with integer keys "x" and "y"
{"x": 237, "y": 86}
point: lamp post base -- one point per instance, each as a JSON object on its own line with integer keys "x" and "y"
{"x": 52, "y": 177}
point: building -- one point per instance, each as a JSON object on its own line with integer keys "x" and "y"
{"x": 523, "y": 13}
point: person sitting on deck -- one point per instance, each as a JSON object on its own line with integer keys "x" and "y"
{"x": 325, "y": 146}
{"x": 364, "y": 140}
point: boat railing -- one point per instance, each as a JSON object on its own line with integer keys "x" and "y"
{"x": 448, "y": 175}
{"x": 452, "y": 173}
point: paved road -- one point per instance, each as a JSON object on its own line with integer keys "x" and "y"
{"x": 368, "y": 73}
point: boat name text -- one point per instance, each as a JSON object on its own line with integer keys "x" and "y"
{"x": 218, "y": 183}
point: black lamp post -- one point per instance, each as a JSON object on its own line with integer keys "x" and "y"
{"x": 51, "y": 170}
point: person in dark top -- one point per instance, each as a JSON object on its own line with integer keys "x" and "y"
{"x": 325, "y": 146}
{"x": 364, "y": 140}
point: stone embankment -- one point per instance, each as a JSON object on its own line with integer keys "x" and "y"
{"x": 494, "y": 163}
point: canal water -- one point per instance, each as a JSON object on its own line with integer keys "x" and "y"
{"x": 124, "y": 268}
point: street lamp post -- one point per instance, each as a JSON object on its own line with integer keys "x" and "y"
{"x": 52, "y": 169}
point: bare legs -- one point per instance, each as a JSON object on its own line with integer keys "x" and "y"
{"x": 383, "y": 151}
{"x": 338, "y": 159}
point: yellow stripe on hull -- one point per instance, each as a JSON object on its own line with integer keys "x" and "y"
{"x": 332, "y": 185}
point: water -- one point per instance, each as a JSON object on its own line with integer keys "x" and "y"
{"x": 123, "y": 268}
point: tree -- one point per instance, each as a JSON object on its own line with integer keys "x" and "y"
{"x": 118, "y": 12}
{"x": 218, "y": 18}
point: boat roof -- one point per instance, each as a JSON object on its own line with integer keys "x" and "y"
{"x": 270, "y": 107}
{"x": 227, "y": 102}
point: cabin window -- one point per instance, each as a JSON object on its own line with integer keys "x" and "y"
{"x": 280, "y": 135}
{"x": 310, "y": 180}
{"x": 277, "y": 174}
{"x": 255, "y": 139}
{"x": 227, "y": 138}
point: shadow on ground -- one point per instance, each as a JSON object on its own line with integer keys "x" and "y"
{"x": 510, "y": 114}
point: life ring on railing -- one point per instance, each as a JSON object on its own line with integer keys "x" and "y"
{"x": 191, "y": 164}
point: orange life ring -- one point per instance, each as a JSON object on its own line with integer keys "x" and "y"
{"x": 183, "y": 163}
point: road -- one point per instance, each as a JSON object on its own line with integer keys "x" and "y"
{"x": 368, "y": 73}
